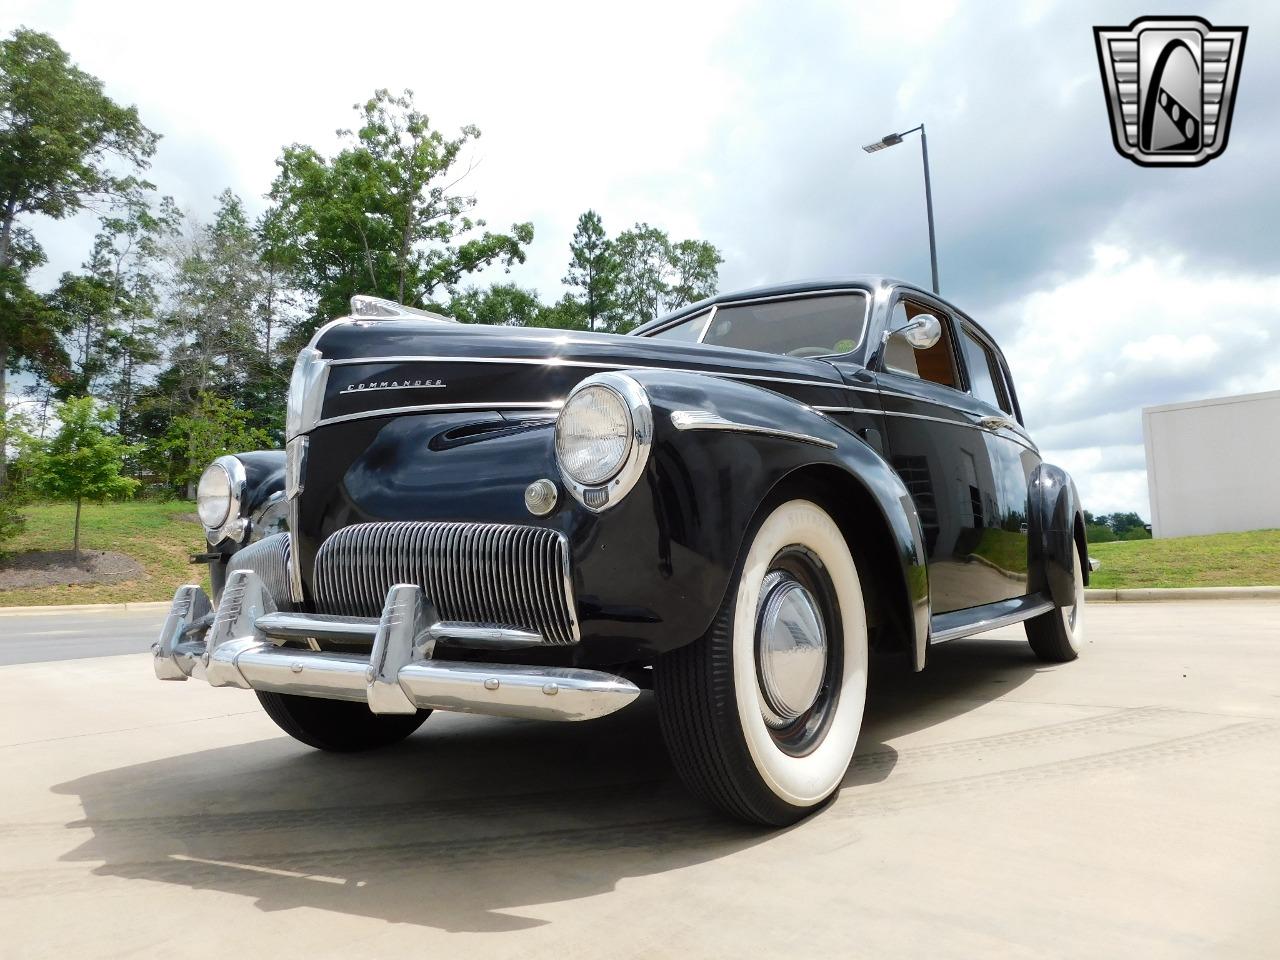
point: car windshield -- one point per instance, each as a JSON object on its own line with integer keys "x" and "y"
{"x": 814, "y": 326}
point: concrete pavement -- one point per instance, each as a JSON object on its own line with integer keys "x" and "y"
{"x": 33, "y": 637}
{"x": 1127, "y": 805}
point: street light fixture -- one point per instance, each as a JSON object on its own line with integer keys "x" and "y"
{"x": 893, "y": 139}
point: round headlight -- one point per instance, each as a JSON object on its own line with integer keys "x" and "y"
{"x": 593, "y": 435}
{"x": 213, "y": 496}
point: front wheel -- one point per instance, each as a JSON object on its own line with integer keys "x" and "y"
{"x": 762, "y": 714}
{"x": 341, "y": 726}
{"x": 1058, "y": 636}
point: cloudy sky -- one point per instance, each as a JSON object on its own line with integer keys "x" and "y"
{"x": 1110, "y": 286}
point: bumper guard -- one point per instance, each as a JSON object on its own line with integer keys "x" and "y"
{"x": 239, "y": 645}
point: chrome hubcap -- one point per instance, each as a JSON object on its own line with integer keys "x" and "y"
{"x": 791, "y": 648}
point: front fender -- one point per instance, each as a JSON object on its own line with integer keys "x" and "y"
{"x": 710, "y": 483}
{"x": 261, "y": 505}
{"x": 1056, "y": 521}
{"x": 264, "y": 478}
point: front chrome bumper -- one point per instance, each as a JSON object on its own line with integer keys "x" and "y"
{"x": 240, "y": 645}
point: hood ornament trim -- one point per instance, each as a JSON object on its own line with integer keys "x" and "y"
{"x": 364, "y": 307}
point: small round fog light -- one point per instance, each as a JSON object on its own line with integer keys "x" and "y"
{"x": 540, "y": 497}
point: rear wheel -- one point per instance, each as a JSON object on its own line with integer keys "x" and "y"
{"x": 761, "y": 715}
{"x": 1058, "y": 636}
{"x": 341, "y": 726}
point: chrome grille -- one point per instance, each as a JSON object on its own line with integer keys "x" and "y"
{"x": 490, "y": 573}
{"x": 269, "y": 559}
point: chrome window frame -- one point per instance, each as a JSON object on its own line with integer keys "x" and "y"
{"x": 867, "y": 295}
{"x": 946, "y": 315}
{"x": 987, "y": 345}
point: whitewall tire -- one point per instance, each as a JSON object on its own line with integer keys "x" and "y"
{"x": 762, "y": 714}
{"x": 1058, "y": 636}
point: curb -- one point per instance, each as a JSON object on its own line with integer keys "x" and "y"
{"x": 1183, "y": 593}
{"x": 132, "y": 607}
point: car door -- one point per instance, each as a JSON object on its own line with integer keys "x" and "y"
{"x": 1002, "y": 545}
{"x": 939, "y": 448}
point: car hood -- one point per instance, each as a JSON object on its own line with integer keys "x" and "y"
{"x": 379, "y": 367}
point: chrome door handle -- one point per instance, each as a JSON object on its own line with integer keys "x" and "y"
{"x": 994, "y": 423}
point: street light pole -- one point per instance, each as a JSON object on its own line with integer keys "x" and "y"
{"x": 928, "y": 205}
{"x": 895, "y": 138}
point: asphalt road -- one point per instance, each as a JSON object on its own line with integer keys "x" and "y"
{"x": 1127, "y": 805}
{"x": 31, "y": 638}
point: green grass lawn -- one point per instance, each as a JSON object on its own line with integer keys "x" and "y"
{"x": 151, "y": 533}
{"x": 1220, "y": 560}
{"x": 155, "y": 535}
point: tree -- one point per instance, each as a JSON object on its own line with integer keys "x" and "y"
{"x": 503, "y": 304}
{"x": 107, "y": 312}
{"x": 1122, "y": 523}
{"x": 695, "y": 266}
{"x": 567, "y": 313}
{"x": 644, "y": 257}
{"x": 1098, "y": 533}
{"x": 82, "y": 461}
{"x": 655, "y": 274}
{"x": 593, "y": 269}
{"x": 214, "y": 325}
{"x": 215, "y": 427}
{"x": 63, "y": 144}
{"x": 383, "y": 216}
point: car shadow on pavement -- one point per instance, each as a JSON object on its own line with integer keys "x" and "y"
{"x": 471, "y": 819}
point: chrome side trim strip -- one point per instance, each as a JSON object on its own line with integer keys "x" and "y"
{"x": 898, "y": 413}
{"x": 704, "y": 420}
{"x": 1018, "y": 435}
{"x": 1016, "y": 438}
{"x": 437, "y": 407}
{"x": 590, "y": 364}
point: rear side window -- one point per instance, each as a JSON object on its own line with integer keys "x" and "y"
{"x": 985, "y": 379}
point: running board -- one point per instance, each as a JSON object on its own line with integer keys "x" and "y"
{"x": 990, "y": 616}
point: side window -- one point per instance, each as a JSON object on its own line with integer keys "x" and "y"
{"x": 985, "y": 379}
{"x": 937, "y": 364}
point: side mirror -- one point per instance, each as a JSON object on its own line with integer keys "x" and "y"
{"x": 922, "y": 331}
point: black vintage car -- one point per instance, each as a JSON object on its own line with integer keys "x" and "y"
{"x": 732, "y": 506}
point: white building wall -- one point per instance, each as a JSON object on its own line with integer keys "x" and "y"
{"x": 1213, "y": 466}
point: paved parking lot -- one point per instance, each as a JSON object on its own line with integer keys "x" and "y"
{"x": 1127, "y": 805}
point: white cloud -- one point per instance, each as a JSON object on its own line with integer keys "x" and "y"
{"x": 1110, "y": 287}
{"x": 1088, "y": 353}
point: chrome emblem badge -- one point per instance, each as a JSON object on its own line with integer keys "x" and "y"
{"x": 1170, "y": 84}
{"x": 367, "y": 385}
